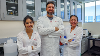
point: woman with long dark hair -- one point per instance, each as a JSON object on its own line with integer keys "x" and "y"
{"x": 28, "y": 40}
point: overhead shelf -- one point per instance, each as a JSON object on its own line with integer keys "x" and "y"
{"x": 11, "y": 2}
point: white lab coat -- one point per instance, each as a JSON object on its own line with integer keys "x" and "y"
{"x": 24, "y": 44}
{"x": 50, "y": 37}
{"x": 73, "y": 48}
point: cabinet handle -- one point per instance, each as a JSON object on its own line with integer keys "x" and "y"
{"x": 3, "y": 15}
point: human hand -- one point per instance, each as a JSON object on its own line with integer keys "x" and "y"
{"x": 56, "y": 28}
{"x": 66, "y": 43}
{"x": 32, "y": 47}
{"x": 70, "y": 40}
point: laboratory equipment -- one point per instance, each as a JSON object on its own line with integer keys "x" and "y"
{"x": 85, "y": 32}
{"x": 10, "y": 48}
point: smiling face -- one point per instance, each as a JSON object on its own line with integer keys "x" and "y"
{"x": 50, "y": 9}
{"x": 73, "y": 21}
{"x": 29, "y": 24}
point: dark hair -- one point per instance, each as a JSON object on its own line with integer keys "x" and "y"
{"x": 50, "y": 2}
{"x": 75, "y": 16}
{"x": 72, "y": 16}
{"x": 27, "y": 17}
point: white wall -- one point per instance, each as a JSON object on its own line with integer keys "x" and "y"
{"x": 94, "y": 28}
{"x": 12, "y": 28}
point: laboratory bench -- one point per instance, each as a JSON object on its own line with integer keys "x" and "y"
{"x": 94, "y": 49}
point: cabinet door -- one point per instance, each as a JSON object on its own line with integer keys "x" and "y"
{"x": 11, "y": 9}
{"x": 30, "y": 7}
{"x": 43, "y": 7}
{"x": 34, "y": 8}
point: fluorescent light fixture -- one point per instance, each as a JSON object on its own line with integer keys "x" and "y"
{"x": 62, "y": 3}
{"x": 29, "y": 12}
{"x": 29, "y": 2}
{"x": 13, "y": 7}
{"x": 78, "y": 6}
{"x": 9, "y": 10}
{"x": 68, "y": 3}
{"x": 33, "y": 10}
{"x": 90, "y": 4}
{"x": 97, "y": 2}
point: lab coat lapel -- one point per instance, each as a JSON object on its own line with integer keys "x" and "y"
{"x": 48, "y": 21}
{"x": 73, "y": 30}
{"x": 33, "y": 35}
{"x": 26, "y": 36}
{"x": 72, "y": 34}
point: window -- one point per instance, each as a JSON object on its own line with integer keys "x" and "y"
{"x": 97, "y": 11}
{"x": 90, "y": 18}
{"x": 86, "y": 20}
{"x": 55, "y": 13}
{"x": 30, "y": 5}
{"x": 62, "y": 9}
{"x": 73, "y": 8}
{"x": 90, "y": 12}
{"x": 79, "y": 12}
{"x": 43, "y": 7}
{"x": 68, "y": 9}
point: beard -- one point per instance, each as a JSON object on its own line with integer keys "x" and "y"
{"x": 50, "y": 13}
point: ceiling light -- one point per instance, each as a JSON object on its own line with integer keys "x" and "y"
{"x": 29, "y": 12}
{"x": 29, "y": 2}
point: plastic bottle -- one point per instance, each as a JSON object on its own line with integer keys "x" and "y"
{"x": 10, "y": 48}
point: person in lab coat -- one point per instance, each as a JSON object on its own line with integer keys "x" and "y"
{"x": 50, "y": 29}
{"x": 28, "y": 40}
{"x": 72, "y": 38}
